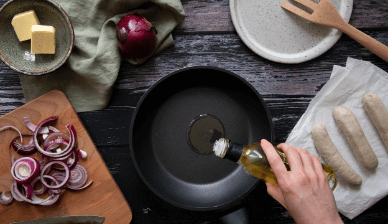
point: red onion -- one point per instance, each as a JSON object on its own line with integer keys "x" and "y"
{"x": 28, "y": 189}
{"x": 39, "y": 191}
{"x": 52, "y": 191}
{"x": 69, "y": 147}
{"x": 64, "y": 182}
{"x": 34, "y": 199}
{"x": 4, "y": 199}
{"x": 56, "y": 133}
{"x": 32, "y": 126}
{"x": 71, "y": 161}
{"x": 26, "y": 149}
{"x": 77, "y": 179}
{"x": 54, "y": 143}
{"x": 13, "y": 192}
{"x": 12, "y": 127}
{"x": 82, "y": 153}
{"x": 25, "y": 169}
{"x": 135, "y": 36}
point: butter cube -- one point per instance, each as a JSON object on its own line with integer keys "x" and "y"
{"x": 22, "y": 24}
{"x": 43, "y": 39}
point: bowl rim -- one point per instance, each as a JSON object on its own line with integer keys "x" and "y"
{"x": 56, "y": 5}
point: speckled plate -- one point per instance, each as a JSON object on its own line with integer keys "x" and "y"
{"x": 12, "y": 51}
{"x": 281, "y": 36}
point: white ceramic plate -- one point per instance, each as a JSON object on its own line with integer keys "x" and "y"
{"x": 281, "y": 36}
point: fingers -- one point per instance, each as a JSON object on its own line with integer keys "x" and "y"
{"x": 275, "y": 192}
{"x": 318, "y": 168}
{"x": 305, "y": 158}
{"x": 292, "y": 156}
{"x": 274, "y": 159}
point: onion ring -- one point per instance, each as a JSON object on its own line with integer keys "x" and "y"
{"x": 5, "y": 200}
{"x": 32, "y": 126}
{"x": 64, "y": 182}
{"x": 69, "y": 147}
{"x": 25, "y": 169}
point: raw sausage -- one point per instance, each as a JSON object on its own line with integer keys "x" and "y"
{"x": 331, "y": 155}
{"x": 355, "y": 136}
{"x": 378, "y": 113}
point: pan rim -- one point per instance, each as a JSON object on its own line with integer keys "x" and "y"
{"x": 144, "y": 97}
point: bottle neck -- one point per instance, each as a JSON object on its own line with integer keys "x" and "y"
{"x": 234, "y": 151}
{"x": 227, "y": 149}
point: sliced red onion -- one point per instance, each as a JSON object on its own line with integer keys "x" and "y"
{"x": 4, "y": 199}
{"x": 69, "y": 147}
{"x": 32, "y": 126}
{"x": 12, "y": 127}
{"x": 39, "y": 191}
{"x": 54, "y": 144}
{"x": 63, "y": 183}
{"x": 77, "y": 179}
{"x": 25, "y": 169}
{"x": 71, "y": 161}
{"x": 53, "y": 129}
{"x": 82, "y": 153}
{"x": 28, "y": 189}
{"x": 81, "y": 188}
{"x": 34, "y": 199}
{"x": 43, "y": 163}
{"x": 13, "y": 192}
{"x": 26, "y": 149}
{"x": 56, "y": 133}
{"x": 51, "y": 191}
{"x": 78, "y": 176}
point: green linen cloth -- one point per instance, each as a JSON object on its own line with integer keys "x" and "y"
{"x": 88, "y": 76}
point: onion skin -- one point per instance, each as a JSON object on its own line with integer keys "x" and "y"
{"x": 136, "y": 37}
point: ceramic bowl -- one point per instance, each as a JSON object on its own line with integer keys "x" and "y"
{"x": 13, "y": 53}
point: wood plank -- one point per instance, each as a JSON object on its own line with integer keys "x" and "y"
{"x": 225, "y": 51}
{"x": 214, "y": 15}
{"x": 229, "y": 52}
{"x": 102, "y": 198}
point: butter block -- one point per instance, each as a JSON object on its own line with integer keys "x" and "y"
{"x": 43, "y": 39}
{"x": 22, "y": 24}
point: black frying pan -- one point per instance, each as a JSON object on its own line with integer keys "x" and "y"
{"x": 169, "y": 166}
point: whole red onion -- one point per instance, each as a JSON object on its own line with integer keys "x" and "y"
{"x": 135, "y": 36}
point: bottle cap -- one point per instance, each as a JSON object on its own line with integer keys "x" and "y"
{"x": 220, "y": 147}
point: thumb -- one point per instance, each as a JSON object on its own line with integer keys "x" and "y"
{"x": 275, "y": 192}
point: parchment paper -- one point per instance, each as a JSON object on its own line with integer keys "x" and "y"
{"x": 346, "y": 87}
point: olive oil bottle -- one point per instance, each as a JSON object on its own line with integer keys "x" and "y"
{"x": 254, "y": 161}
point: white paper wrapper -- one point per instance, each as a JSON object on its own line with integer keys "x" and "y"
{"x": 346, "y": 87}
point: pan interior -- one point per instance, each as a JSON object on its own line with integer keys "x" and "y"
{"x": 203, "y": 131}
{"x": 159, "y": 142}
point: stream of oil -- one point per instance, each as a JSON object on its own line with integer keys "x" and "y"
{"x": 203, "y": 131}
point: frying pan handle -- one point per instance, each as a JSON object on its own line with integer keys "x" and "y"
{"x": 239, "y": 216}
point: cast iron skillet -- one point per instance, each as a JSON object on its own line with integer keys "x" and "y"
{"x": 158, "y": 136}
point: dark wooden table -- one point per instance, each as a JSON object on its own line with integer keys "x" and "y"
{"x": 207, "y": 37}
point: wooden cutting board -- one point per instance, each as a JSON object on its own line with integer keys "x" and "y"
{"x": 102, "y": 198}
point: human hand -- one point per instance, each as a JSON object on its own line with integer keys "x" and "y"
{"x": 304, "y": 190}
